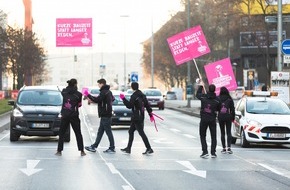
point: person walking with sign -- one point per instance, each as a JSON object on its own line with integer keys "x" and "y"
{"x": 138, "y": 102}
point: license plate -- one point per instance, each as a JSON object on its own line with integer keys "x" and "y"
{"x": 153, "y": 103}
{"x": 276, "y": 135}
{"x": 125, "y": 118}
{"x": 40, "y": 125}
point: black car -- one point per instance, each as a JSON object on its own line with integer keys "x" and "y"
{"x": 36, "y": 112}
{"x": 121, "y": 114}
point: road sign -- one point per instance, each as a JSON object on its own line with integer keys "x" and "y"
{"x": 286, "y": 47}
{"x": 134, "y": 77}
{"x": 274, "y": 19}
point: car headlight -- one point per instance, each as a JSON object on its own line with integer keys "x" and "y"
{"x": 254, "y": 123}
{"x": 17, "y": 113}
{"x": 59, "y": 115}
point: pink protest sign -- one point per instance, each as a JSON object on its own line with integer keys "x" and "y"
{"x": 220, "y": 73}
{"x": 74, "y": 32}
{"x": 188, "y": 45}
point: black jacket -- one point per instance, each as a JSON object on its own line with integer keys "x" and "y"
{"x": 229, "y": 113}
{"x": 210, "y": 104}
{"x": 138, "y": 110}
{"x": 72, "y": 100}
{"x": 104, "y": 101}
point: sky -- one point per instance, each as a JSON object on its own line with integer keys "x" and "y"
{"x": 143, "y": 17}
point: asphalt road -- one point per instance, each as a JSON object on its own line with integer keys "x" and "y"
{"x": 31, "y": 164}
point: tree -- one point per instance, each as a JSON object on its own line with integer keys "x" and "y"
{"x": 218, "y": 22}
{"x": 3, "y": 56}
{"x": 25, "y": 55}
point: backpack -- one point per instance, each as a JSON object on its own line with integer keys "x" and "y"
{"x": 225, "y": 107}
{"x": 70, "y": 105}
{"x": 139, "y": 108}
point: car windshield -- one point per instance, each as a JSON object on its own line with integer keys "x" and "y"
{"x": 152, "y": 93}
{"x": 267, "y": 106}
{"x": 171, "y": 93}
{"x": 118, "y": 100}
{"x": 40, "y": 97}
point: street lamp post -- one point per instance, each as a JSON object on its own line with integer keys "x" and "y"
{"x": 102, "y": 66}
{"x": 125, "y": 81}
{"x": 188, "y": 63}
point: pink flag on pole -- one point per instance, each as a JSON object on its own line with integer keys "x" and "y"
{"x": 220, "y": 73}
{"x": 188, "y": 45}
{"x": 74, "y": 32}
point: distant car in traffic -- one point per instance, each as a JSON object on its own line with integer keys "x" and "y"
{"x": 36, "y": 112}
{"x": 261, "y": 118}
{"x": 121, "y": 115}
{"x": 94, "y": 91}
{"x": 154, "y": 97}
{"x": 170, "y": 95}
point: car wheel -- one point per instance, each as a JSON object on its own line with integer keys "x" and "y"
{"x": 67, "y": 136}
{"x": 244, "y": 142}
{"x": 13, "y": 135}
{"x": 233, "y": 141}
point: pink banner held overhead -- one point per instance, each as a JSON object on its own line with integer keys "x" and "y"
{"x": 188, "y": 45}
{"x": 74, "y": 32}
{"x": 220, "y": 73}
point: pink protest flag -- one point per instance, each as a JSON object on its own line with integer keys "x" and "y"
{"x": 188, "y": 45}
{"x": 220, "y": 73}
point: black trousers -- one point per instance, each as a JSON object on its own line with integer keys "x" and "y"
{"x": 76, "y": 126}
{"x": 204, "y": 124}
{"x": 139, "y": 126}
{"x": 105, "y": 126}
{"x": 226, "y": 125}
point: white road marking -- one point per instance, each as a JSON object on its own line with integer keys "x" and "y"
{"x": 175, "y": 130}
{"x": 189, "y": 136}
{"x": 29, "y": 170}
{"x": 192, "y": 169}
{"x": 271, "y": 169}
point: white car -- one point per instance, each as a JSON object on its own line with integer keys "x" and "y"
{"x": 261, "y": 118}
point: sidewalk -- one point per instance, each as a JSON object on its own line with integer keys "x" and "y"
{"x": 181, "y": 106}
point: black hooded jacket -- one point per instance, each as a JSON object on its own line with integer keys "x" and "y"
{"x": 227, "y": 110}
{"x": 72, "y": 100}
{"x": 104, "y": 101}
{"x": 210, "y": 104}
{"x": 138, "y": 102}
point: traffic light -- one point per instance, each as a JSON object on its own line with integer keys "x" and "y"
{"x": 75, "y": 58}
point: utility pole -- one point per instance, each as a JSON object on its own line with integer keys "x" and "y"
{"x": 279, "y": 30}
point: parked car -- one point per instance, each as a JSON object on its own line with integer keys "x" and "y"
{"x": 36, "y": 112}
{"x": 261, "y": 118}
{"x": 121, "y": 114}
{"x": 154, "y": 97}
{"x": 171, "y": 95}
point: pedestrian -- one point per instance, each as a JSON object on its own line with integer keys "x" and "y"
{"x": 138, "y": 102}
{"x": 210, "y": 104}
{"x": 72, "y": 100}
{"x": 104, "y": 101}
{"x": 226, "y": 115}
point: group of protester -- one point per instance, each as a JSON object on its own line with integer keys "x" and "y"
{"x": 72, "y": 100}
{"x": 212, "y": 107}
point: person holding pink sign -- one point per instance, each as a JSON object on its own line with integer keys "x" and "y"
{"x": 210, "y": 105}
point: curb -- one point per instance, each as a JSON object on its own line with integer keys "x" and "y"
{"x": 4, "y": 126}
{"x": 191, "y": 113}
